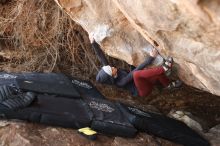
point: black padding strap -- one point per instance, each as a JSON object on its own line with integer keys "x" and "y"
{"x": 12, "y": 99}
{"x": 5, "y": 91}
{"x": 19, "y": 101}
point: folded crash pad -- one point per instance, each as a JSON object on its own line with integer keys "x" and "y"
{"x": 50, "y": 83}
{"x": 53, "y": 110}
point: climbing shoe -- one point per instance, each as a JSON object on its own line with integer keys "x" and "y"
{"x": 174, "y": 85}
{"x": 167, "y": 65}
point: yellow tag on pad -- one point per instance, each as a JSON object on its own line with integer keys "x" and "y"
{"x": 87, "y": 131}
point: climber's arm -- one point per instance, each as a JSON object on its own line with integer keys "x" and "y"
{"x": 99, "y": 53}
{"x": 129, "y": 76}
{"x": 147, "y": 62}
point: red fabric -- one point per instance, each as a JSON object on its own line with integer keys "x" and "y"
{"x": 146, "y": 79}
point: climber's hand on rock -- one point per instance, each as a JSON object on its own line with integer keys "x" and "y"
{"x": 153, "y": 52}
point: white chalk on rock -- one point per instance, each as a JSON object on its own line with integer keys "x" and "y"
{"x": 101, "y": 32}
{"x": 158, "y": 60}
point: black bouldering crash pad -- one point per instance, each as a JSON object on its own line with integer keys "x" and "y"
{"x": 86, "y": 89}
{"x": 74, "y": 103}
{"x": 109, "y": 119}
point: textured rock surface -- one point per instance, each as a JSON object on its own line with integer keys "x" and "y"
{"x": 214, "y": 135}
{"x": 187, "y": 118}
{"x": 188, "y": 30}
{"x": 25, "y": 134}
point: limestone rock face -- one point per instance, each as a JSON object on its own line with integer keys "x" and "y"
{"x": 188, "y": 30}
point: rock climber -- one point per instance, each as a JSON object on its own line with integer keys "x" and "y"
{"x": 141, "y": 80}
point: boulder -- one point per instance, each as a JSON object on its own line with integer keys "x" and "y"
{"x": 187, "y": 118}
{"x": 214, "y": 135}
{"x": 187, "y": 30}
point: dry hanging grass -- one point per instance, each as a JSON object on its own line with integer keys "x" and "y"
{"x": 35, "y": 35}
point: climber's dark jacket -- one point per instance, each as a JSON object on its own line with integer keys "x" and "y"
{"x": 124, "y": 79}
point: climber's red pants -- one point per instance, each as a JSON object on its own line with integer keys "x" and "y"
{"x": 146, "y": 79}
